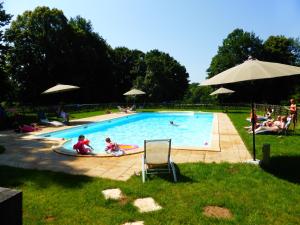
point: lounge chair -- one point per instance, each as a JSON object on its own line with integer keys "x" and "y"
{"x": 44, "y": 120}
{"x": 122, "y": 109}
{"x": 156, "y": 158}
{"x": 274, "y": 130}
{"x": 287, "y": 125}
{"x": 132, "y": 108}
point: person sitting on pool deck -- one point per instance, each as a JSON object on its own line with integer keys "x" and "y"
{"x": 113, "y": 148}
{"x": 80, "y": 146}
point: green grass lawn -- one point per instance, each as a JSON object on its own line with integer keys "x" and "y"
{"x": 255, "y": 195}
{"x": 281, "y": 144}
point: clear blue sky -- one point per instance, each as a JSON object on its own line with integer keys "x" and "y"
{"x": 189, "y": 30}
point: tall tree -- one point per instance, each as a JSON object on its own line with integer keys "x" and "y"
{"x": 199, "y": 94}
{"x": 165, "y": 79}
{"x": 281, "y": 49}
{"x": 236, "y": 48}
{"x": 4, "y": 79}
{"x": 90, "y": 65}
{"x": 39, "y": 44}
{"x": 127, "y": 66}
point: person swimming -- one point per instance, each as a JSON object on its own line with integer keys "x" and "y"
{"x": 173, "y": 124}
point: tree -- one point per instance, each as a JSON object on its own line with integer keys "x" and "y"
{"x": 48, "y": 49}
{"x": 5, "y": 84}
{"x": 236, "y": 48}
{"x": 165, "y": 79}
{"x": 90, "y": 63}
{"x": 199, "y": 94}
{"x": 39, "y": 41}
{"x": 127, "y": 66}
{"x": 282, "y": 50}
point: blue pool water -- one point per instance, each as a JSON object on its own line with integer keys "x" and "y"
{"x": 192, "y": 130}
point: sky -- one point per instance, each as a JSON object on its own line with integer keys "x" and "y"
{"x": 189, "y": 30}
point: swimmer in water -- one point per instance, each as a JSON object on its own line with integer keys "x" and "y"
{"x": 173, "y": 124}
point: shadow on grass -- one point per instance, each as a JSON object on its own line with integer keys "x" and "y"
{"x": 17, "y": 177}
{"x": 169, "y": 176}
{"x": 284, "y": 167}
{"x": 236, "y": 112}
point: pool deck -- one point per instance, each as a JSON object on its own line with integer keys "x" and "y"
{"x": 25, "y": 152}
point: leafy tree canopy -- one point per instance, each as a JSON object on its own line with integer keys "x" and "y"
{"x": 5, "y": 83}
{"x": 199, "y": 94}
{"x": 236, "y": 48}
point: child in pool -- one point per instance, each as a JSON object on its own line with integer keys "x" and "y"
{"x": 173, "y": 124}
{"x": 80, "y": 146}
{"x": 113, "y": 148}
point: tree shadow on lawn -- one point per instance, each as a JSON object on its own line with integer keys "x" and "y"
{"x": 284, "y": 167}
{"x": 34, "y": 155}
{"x": 169, "y": 176}
{"x": 15, "y": 177}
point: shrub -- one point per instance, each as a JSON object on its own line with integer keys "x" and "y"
{"x": 2, "y": 149}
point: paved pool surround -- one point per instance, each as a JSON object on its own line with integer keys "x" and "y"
{"x": 30, "y": 151}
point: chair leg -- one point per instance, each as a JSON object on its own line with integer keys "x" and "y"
{"x": 143, "y": 169}
{"x": 173, "y": 171}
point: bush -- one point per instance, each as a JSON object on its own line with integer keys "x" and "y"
{"x": 2, "y": 149}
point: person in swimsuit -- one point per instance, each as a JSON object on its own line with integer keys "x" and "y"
{"x": 80, "y": 146}
{"x": 110, "y": 146}
{"x": 113, "y": 148}
{"x": 293, "y": 111}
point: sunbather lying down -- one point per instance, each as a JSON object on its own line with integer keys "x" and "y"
{"x": 272, "y": 126}
{"x": 127, "y": 109}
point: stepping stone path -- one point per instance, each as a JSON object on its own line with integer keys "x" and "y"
{"x": 134, "y": 223}
{"x": 143, "y": 204}
{"x": 146, "y": 205}
{"x": 115, "y": 194}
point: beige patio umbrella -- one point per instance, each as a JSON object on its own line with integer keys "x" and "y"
{"x": 221, "y": 91}
{"x": 250, "y": 70}
{"x": 60, "y": 88}
{"x": 134, "y": 92}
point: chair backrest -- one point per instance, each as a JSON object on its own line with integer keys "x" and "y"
{"x": 289, "y": 119}
{"x": 157, "y": 151}
{"x": 42, "y": 115}
{"x": 120, "y": 108}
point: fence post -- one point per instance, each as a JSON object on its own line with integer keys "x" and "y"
{"x": 266, "y": 154}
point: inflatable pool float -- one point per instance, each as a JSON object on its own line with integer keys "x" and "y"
{"x": 126, "y": 147}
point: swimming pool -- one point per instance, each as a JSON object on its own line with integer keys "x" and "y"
{"x": 189, "y": 130}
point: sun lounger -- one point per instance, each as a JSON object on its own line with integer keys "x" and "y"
{"x": 44, "y": 120}
{"x": 156, "y": 158}
{"x": 122, "y": 109}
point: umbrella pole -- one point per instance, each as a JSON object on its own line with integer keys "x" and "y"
{"x": 253, "y": 130}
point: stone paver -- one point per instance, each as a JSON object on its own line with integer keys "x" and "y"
{"x": 135, "y": 223}
{"x": 146, "y": 205}
{"x": 24, "y": 151}
{"x": 115, "y": 194}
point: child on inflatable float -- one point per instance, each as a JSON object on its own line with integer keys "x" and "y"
{"x": 113, "y": 148}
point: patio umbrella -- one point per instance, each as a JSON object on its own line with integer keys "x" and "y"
{"x": 134, "y": 93}
{"x": 222, "y": 91}
{"x": 250, "y": 70}
{"x": 60, "y": 88}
